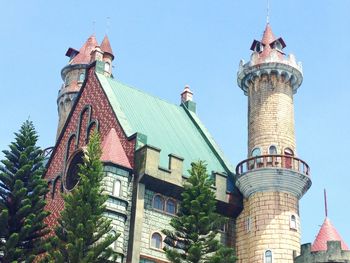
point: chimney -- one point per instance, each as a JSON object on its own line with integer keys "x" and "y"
{"x": 186, "y": 99}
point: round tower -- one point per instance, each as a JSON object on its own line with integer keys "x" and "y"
{"x": 73, "y": 75}
{"x": 272, "y": 179}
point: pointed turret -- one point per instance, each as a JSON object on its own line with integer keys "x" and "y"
{"x": 106, "y": 46}
{"x": 84, "y": 54}
{"x": 108, "y": 56}
{"x": 327, "y": 233}
{"x": 112, "y": 150}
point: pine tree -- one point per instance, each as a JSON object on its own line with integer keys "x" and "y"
{"x": 22, "y": 192}
{"x": 83, "y": 233}
{"x": 196, "y": 226}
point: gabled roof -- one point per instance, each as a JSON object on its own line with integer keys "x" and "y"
{"x": 170, "y": 127}
{"x": 112, "y": 150}
{"x": 327, "y": 233}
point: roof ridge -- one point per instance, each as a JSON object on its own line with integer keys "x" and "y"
{"x": 139, "y": 90}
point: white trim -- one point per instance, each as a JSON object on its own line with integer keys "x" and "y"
{"x": 161, "y": 241}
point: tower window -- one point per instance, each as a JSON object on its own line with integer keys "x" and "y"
{"x": 293, "y": 222}
{"x": 71, "y": 178}
{"x": 158, "y": 202}
{"x": 116, "y": 188}
{"x": 107, "y": 66}
{"x": 170, "y": 206}
{"x": 268, "y": 256}
{"x": 248, "y": 224}
{"x": 273, "y": 150}
{"x": 156, "y": 241}
{"x": 257, "y": 161}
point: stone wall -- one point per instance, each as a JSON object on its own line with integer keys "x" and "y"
{"x": 119, "y": 205}
{"x": 270, "y": 114}
{"x": 265, "y": 224}
{"x": 334, "y": 253}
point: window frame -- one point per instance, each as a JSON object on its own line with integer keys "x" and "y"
{"x": 163, "y": 202}
{"x": 151, "y": 241}
{"x": 265, "y": 257}
{"x": 114, "y": 189}
{"x": 166, "y": 206}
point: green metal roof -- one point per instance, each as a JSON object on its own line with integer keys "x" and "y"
{"x": 172, "y": 128}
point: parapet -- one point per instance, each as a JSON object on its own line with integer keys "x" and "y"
{"x": 334, "y": 253}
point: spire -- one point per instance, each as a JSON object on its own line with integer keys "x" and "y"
{"x": 268, "y": 36}
{"x": 83, "y": 56}
{"x": 106, "y": 46}
{"x": 327, "y": 233}
{"x": 112, "y": 150}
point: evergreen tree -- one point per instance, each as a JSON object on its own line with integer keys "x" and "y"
{"x": 22, "y": 192}
{"x": 83, "y": 233}
{"x": 196, "y": 226}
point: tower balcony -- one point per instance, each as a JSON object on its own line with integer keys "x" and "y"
{"x": 273, "y": 173}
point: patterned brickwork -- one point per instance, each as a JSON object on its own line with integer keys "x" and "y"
{"x": 265, "y": 224}
{"x": 92, "y": 94}
{"x": 270, "y": 114}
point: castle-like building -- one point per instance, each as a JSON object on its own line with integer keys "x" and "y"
{"x": 148, "y": 145}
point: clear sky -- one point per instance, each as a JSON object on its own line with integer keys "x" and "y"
{"x": 162, "y": 45}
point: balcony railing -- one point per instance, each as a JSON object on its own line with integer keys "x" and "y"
{"x": 273, "y": 161}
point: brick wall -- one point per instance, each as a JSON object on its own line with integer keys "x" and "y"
{"x": 92, "y": 94}
{"x": 270, "y": 228}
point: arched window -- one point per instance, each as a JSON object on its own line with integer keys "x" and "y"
{"x": 158, "y": 202}
{"x": 113, "y": 233}
{"x": 288, "y": 151}
{"x": 256, "y": 152}
{"x": 170, "y": 206}
{"x": 116, "y": 188}
{"x": 293, "y": 222}
{"x": 81, "y": 77}
{"x": 268, "y": 256}
{"x": 288, "y": 162}
{"x": 273, "y": 150}
{"x": 107, "y": 66}
{"x": 156, "y": 241}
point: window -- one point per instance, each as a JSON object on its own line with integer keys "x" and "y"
{"x": 113, "y": 233}
{"x": 156, "y": 241}
{"x": 256, "y": 152}
{"x": 273, "y": 150}
{"x": 81, "y": 77}
{"x": 268, "y": 256}
{"x": 116, "y": 188}
{"x": 107, "y": 66}
{"x": 71, "y": 178}
{"x": 293, "y": 222}
{"x": 171, "y": 206}
{"x": 158, "y": 202}
{"x": 254, "y": 162}
{"x": 248, "y": 224}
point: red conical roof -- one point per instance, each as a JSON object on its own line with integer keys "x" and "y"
{"x": 106, "y": 46}
{"x": 84, "y": 55}
{"x": 268, "y": 36}
{"x": 327, "y": 233}
{"x": 112, "y": 150}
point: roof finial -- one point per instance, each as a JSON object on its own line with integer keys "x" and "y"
{"x": 325, "y": 203}
{"x": 268, "y": 12}
{"x": 108, "y": 24}
{"x": 93, "y": 27}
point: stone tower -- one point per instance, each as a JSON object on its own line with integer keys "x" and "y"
{"x": 272, "y": 179}
{"x": 73, "y": 75}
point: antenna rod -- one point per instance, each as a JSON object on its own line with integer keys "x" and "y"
{"x": 325, "y": 203}
{"x": 268, "y": 12}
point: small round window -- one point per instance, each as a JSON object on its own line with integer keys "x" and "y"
{"x": 71, "y": 177}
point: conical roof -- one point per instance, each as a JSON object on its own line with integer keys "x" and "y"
{"x": 106, "y": 46}
{"x": 112, "y": 150}
{"x": 327, "y": 233}
{"x": 84, "y": 55}
{"x": 268, "y": 36}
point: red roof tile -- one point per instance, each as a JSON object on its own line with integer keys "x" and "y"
{"x": 106, "y": 46}
{"x": 327, "y": 233}
{"x": 267, "y": 39}
{"x": 84, "y": 55}
{"x": 112, "y": 150}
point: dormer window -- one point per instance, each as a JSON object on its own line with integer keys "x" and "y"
{"x": 257, "y": 46}
{"x": 278, "y": 44}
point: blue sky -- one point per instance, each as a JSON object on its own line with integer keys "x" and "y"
{"x": 162, "y": 45}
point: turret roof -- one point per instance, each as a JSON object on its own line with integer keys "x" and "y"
{"x": 112, "y": 150}
{"x": 106, "y": 46}
{"x": 327, "y": 233}
{"x": 84, "y": 55}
